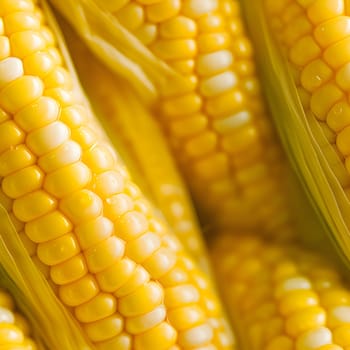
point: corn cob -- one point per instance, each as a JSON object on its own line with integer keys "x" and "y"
{"x": 123, "y": 275}
{"x": 281, "y": 296}
{"x": 314, "y": 36}
{"x": 213, "y": 117}
{"x": 14, "y": 328}
{"x": 140, "y": 143}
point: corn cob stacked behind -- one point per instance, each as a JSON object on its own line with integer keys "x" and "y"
{"x": 14, "y": 329}
{"x": 314, "y": 36}
{"x": 214, "y": 118}
{"x": 125, "y": 278}
{"x": 282, "y": 297}
{"x": 141, "y": 144}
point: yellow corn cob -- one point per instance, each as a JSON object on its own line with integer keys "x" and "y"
{"x": 14, "y": 328}
{"x": 315, "y": 36}
{"x": 123, "y": 275}
{"x": 282, "y": 297}
{"x": 140, "y": 143}
{"x": 214, "y": 117}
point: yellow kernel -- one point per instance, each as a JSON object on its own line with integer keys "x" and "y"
{"x": 11, "y": 68}
{"x": 99, "y": 307}
{"x": 186, "y": 317}
{"x": 163, "y": 10}
{"x": 131, "y": 225}
{"x": 343, "y": 77}
{"x": 241, "y": 141}
{"x": 188, "y": 126}
{"x": 146, "y": 33}
{"x": 175, "y": 49}
{"x": 16, "y": 158}
{"x": 24, "y": 209}
{"x": 11, "y": 135}
{"x": 11, "y": 335}
{"x": 304, "y": 320}
{"x": 304, "y": 51}
{"x": 79, "y": 292}
{"x": 179, "y": 27}
{"x": 182, "y": 105}
{"x": 78, "y": 174}
{"x": 48, "y": 227}
{"x": 74, "y": 116}
{"x": 341, "y": 335}
{"x": 211, "y": 22}
{"x": 225, "y": 104}
{"x": 315, "y": 74}
{"x": 212, "y": 167}
{"x": 117, "y": 205}
{"x": 291, "y": 284}
{"x": 160, "y": 262}
{"x": 122, "y": 341}
{"x": 323, "y": 100}
{"x": 198, "y": 8}
{"x": 323, "y": 10}
{"x": 334, "y": 297}
{"x": 333, "y": 30}
{"x": 39, "y": 63}
{"x": 143, "y": 300}
{"x": 232, "y": 122}
{"x": 108, "y": 183}
{"x": 242, "y": 48}
{"x": 131, "y": 16}
{"x": 280, "y": 342}
{"x": 69, "y": 152}
{"x": 38, "y": 114}
{"x": 22, "y": 182}
{"x": 89, "y": 233}
{"x": 26, "y": 42}
{"x": 8, "y": 6}
{"x": 20, "y": 93}
{"x": 20, "y": 21}
{"x": 104, "y": 254}
{"x": 58, "y": 77}
{"x": 138, "y": 278}
{"x": 181, "y": 295}
{"x": 196, "y": 336}
{"x": 297, "y": 300}
{"x": 342, "y": 141}
{"x": 160, "y": 337}
{"x": 4, "y": 47}
{"x": 187, "y": 84}
{"x": 184, "y": 67}
{"x": 202, "y": 144}
{"x": 212, "y": 42}
{"x": 116, "y": 275}
{"x": 58, "y": 250}
{"x": 63, "y": 96}
{"x": 82, "y": 206}
{"x": 143, "y": 247}
{"x": 98, "y": 158}
{"x": 69, "y": 270}
{"x": 296, "y": 29}
{"x": 339, "y": 116}
{"x": 338, "y": 54}
{"x": 142, "y": 323}
{"x": 47, "y": 138}
{"x": 104, "y": 329}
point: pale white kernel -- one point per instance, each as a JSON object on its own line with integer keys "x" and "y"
{"x": 11, "y": 68}
{"x": 197, "y": 8}
{"x": 218, "y": 84}
{"x": 232, "y": 122}
{"x": 214, "y": 62}
{"x": 314, "y": 339}
{"x": 6, "y": 316}
{"x": 196, "y": 336}
{"x": 341, "y": 313}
